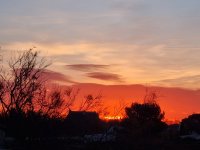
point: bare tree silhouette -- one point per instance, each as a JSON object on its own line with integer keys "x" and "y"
{"x": 90, "y": 102}
{"x": 57, "y": 102}
{"x": 21, "y": 86}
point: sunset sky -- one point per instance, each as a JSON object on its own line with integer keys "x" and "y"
{"x": 113, "y": 42}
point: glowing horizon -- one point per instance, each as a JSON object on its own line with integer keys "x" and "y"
{"x": 114, "y": 43}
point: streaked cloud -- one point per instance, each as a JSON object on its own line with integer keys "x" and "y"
{"x": 105, "y": 76}
{"x": 87, "y": 67}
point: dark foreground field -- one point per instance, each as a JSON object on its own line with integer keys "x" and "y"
{"x": 63, "y": 144}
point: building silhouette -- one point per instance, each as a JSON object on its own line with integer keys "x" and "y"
{"x": 83, "y": 122}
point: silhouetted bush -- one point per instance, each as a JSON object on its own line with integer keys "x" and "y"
{"x": 190, "y": 124}
{"x": 143, "y": 120}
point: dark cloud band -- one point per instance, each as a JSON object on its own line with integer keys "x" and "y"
{"x": 87, "y": 67}
{"x": 105, "y": 76}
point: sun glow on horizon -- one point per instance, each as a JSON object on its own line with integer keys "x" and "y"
{"x": 112, "y": 118}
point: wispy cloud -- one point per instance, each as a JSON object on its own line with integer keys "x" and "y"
{"x": 185, "y": 81}
{"x": 56, "y": 76}
{"x": 151, "y": 40}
